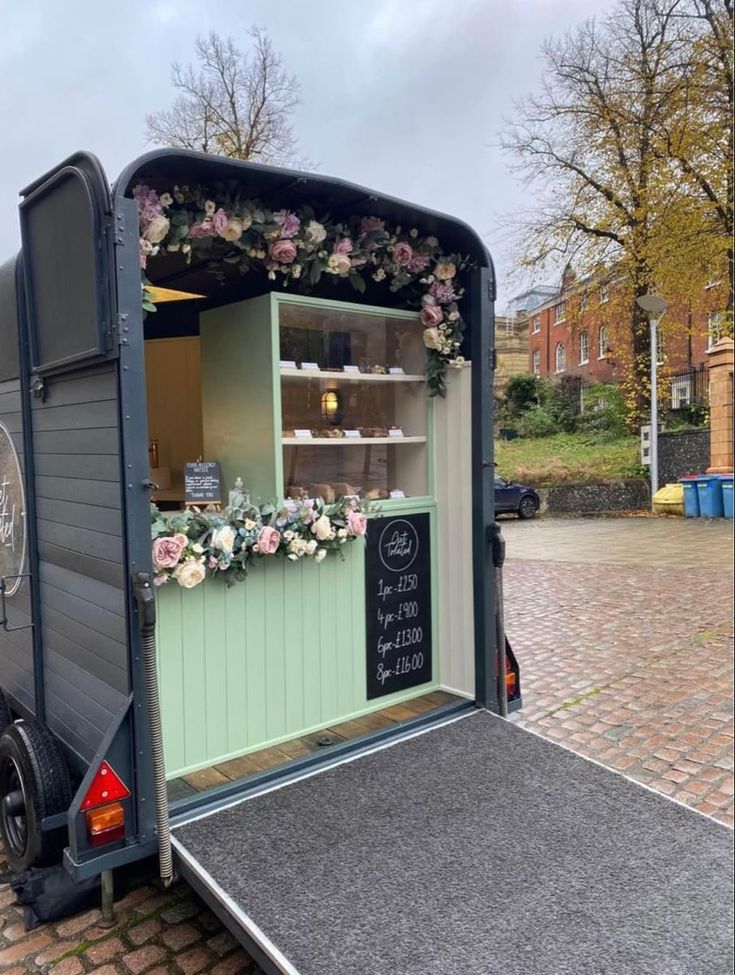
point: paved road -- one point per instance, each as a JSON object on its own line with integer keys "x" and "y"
{"x": 623, "y": 628}
{"x": 624, "y": 632}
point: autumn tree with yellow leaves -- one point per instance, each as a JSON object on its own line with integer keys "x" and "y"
{"x": 627, "y": 150}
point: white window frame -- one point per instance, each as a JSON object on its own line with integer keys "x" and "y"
{"x": 584, "y": 301}
{"x": 681, "y": 385}
{"x": 602, "y": 347}
{"x": 536, "y": 362}
{"x": 560, "y": 347}
{"x": 536, "y": 324}
{"x": 584, "y": 348}
{"x": 560, "y": 316}
{"x": 714, "y": 328}
{"x": 604, "y": 294}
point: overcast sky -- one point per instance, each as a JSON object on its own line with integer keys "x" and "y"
{"x": 404, "y": 97}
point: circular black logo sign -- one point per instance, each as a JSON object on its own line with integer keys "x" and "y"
{"x": 399, "y": 545}
{"x": 12, "y": 514}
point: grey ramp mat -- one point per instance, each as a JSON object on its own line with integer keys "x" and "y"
{"x": 476, "y": 848}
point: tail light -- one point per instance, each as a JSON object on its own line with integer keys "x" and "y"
{"x": 511, "y": 683}
{"x": 105, "y": 812}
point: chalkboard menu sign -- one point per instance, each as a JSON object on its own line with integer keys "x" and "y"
{"x": 398, "y": 604}
{"x": 202, "y": 483}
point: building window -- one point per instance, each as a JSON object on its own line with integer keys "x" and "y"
{"x": 536, "y": 325}
{"x": 584, "y": 348}
{"x": 510, "y": 328}
{"x": 604, "y": 294}
{"x": 715, "y": 330}
{"x": 584, "y": 301}
{"x": 559, "y": 312}
{"x": 681, "y": 392}
{"x": 536, "y": 362}
{"x": 561, "y": 357}
{"x": 602, "y": 343}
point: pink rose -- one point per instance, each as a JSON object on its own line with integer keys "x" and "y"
{"x": 402, "y": 253}
{"x": 203, "y": 229}
{"x": 431, "y": 315}
{"x": 268, "y": 540}
{"x": 343, "y": 246}
{"x": 283, "y": 251}
{"x": 356, "y": 523}
{"x": 219, "y": 221}
{"x": 419, "y": 262}
{"x": 167, "y": 551}
{"x": 160, "y": 580}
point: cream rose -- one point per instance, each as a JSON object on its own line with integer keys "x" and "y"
{"x": 322, "y": 528}
{"x": 232, "y": 230}
{"x": 432, "y": 338}
{"x": 445, "y": 271}
{"x": 223, "y": 539}
{"x": 339, "y": 264}
{"x": 315, "y": 231}
{"x": 321, "y": 554}
{"x": 157, "y": 229}
{"x": 190, "y": 573}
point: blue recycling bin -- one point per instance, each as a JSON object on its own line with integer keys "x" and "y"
{"x": 726, "y": 482}
{"x": 691, "y": 499}
{"x": 709, "y": 492}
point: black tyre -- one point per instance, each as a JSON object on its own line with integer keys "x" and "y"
{"x": 34, "y": 783}
{"x": 528, "y": 507}
{"x": 6, "y": 717}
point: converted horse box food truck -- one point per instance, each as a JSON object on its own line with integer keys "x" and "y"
{"x": 249, "y": 572}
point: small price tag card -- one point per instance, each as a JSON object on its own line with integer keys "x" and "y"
{"x": 395, "y": 432}
{"x": 302, "y": 434}
{"x": 288, "y": 364}
{"x": 352, "y": 433}
{"x": 397, "y": 494}
{"x": 351, "y": 368}
{"x": 396, "y": 371}
{"x": 310, "y": 366}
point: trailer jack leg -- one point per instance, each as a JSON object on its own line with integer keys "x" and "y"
{"x": 108, "y": 900}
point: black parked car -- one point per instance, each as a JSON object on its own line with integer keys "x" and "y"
{"x": 516, "y": 498}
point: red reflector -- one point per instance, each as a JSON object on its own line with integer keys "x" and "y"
{"x": 107, "y": 786}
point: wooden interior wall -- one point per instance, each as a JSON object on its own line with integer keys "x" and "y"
{"x": 174, "y": 392}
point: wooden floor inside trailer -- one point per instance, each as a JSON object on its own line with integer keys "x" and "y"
{"x": 274, "y": 755}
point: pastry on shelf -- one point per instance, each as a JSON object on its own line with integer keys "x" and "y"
{"x": 287, "y": 433}
{"x": 344, "y": 490}
{"x": 296, "y": 492}
{"x": 323, "y": 491}
{"x": 376, "y": 494}
{"x": 378, "y": 370}
{"x": 334, "y": 432}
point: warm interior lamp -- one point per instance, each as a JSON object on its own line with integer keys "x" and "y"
{"x": 331, "y": 407}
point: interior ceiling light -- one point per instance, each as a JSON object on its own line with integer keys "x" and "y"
{"x": 159, "y": 295}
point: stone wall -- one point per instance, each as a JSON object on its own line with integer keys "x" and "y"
{"x": 585, "y": 498}
{"x": 682, "y": 452}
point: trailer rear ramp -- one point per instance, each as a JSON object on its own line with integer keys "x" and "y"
{"x": 472, "y": 848}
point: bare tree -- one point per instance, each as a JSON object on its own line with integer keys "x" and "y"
{"x": 231, "y": 103}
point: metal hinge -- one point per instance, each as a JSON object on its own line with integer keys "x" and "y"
{"x": 119, "y": 229}
{"x": 122, "y": 329}
{"x": 493, "y": 359}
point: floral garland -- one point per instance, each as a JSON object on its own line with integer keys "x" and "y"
{"x": 294, "y": 245}
{"x": 186, "y": 545}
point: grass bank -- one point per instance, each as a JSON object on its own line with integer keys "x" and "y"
{"x": 567, "y": 457}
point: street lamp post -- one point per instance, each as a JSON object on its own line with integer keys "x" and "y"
{"x": 654, "y": 307}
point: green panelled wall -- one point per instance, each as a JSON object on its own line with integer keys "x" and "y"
{"x": 277, "y": 656}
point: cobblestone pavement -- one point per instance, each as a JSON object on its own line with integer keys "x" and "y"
{"x": 624, "y": 633}
{"x": 623, "y": 630}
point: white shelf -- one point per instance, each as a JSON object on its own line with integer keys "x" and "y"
{"x": 355, "y": 377}
{"x": 347, "y": 441}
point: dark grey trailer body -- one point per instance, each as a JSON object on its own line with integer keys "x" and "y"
{"x": 72, "y": 393}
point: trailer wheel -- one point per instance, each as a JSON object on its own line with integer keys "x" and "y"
{"x": 6, "y": 717}
{"x": 34, "y": 783}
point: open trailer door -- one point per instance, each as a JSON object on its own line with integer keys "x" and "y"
{"x": 473, "y": 847}
{"x": 85, "y": 440}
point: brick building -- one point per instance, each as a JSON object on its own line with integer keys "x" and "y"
{"x": 583, "y": 331}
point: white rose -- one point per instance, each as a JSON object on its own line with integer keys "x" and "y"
{"x": 223, "y": 539}
{"x": 432, "y": 338}
{"x": 233, "y": 230}
{"x": 311, "y": 547}
{"x": 322, "y": 528}
{"x": 295, "y": 270}
{"x": 342, "y": 533}
{"x": 185, "y": 248}
{"x": 379, "y": 274}
{"x": 289, "y": 535}
{"x": 249, "y": 524}
{"x": 292, "y": 557}
{"x": 320, "y": 555}
{"x": 166, "y": 199}
{"x": 209, "y": 207}
{"x": 197, "y": 548}
{"x": 156, "y": 229}
{"x": 189, "y": 573}
{"x": 339, "y": 264}
{"x": 315, "y": 231}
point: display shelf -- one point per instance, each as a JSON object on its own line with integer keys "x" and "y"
{"x": 347, "y": 441}
{"x": 354, "y": 377}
